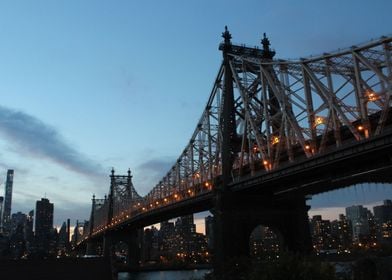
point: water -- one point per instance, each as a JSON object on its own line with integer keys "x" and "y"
{"x": 196, "y": 274}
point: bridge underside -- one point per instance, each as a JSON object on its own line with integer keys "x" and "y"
{"x": 360, "y": 162}
{"x": 237, "y": 215}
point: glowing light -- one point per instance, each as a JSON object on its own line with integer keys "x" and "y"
{"x": 175, "y": 195}
{"x": 371, "y": 96}
{"x": 319, "y": 120}
{"x": 207, "y": 184}
{"x": 360, "y": 127}
{"x": 156, "y": 202}
{"x": 165, "y": 199}
{"x": 265, "y": 162}
{"x": 307, "y": 147}
{"x": 275, "y": 140}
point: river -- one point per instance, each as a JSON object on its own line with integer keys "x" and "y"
{"x": 196, "y": 274}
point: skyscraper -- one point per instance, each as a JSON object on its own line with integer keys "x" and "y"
{"x": 29, "y": 234}
{"x": 209, "y": 224}
{"x": 43, "y": 218}
{"x": 383, "y": 213}
{"x": 7, "y": 202}
{"x": 1, "y": 213}
{"x": 383, "y": 219}
{"x": 43, "y": 226}
{"x": 358, "y": 215}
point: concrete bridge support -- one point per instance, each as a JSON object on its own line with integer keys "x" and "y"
{"x": 92, "y": 248}
{"x": 107, "y": 245}
{"x": 235, "y": 217}
{"x": 134, "y": 240}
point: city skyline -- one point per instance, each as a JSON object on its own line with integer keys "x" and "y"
{"x": 90, "y": 86}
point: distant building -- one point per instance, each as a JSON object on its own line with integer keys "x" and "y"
{"x": 166, "y": 238}
{"x": 63, "y": 239}
{"x": 18, "y": 220}
{"x": 1, "y": 213}
{"x": 150, "y": 248}
{"x": 383, "y": 221}
{"x": 29, "y": 232}
{"x": 321, "y": 234}
{"x": 359, "y": 218}
{"x": 341, "y": 231}
{"x": 17, "y": 235}
{"x": 209, "y": 229}
{"x": 264, "y": 243}
{"x": 7, "y": 202}
{"x": 383, "y": 213}
{"x": 43, "y": 217}
{"x": 175, "y": 243}
{"x": 43, "y": 225}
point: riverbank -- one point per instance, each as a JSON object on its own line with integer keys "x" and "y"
{"x": 56, "y": 269}
{"x": 162, "y": 267}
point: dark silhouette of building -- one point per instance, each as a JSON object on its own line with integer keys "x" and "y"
{"x": 264, "y": 243}
{"x": 43, "y": 226}
{"x": 150, "y": 248}
{"x": 383, "y": 221}
{"x": 18, "y": 219}
{"x": 7, "y": 202}
{"x": 321, "y": 233}
{"x": 383, "y": 213}
{"x": 209, "y": 229}
{"x": 341, "y": 231}
{"x": 68, "y": 233}
{"x": 359, "y": 218}
{"x": 43, "y": 217}
{"x": 29, "y": 232}
{"x": 166, "y": 241}
{"x": 1, "y": 212}
{"x": 63, "y": 239}
{"x": 175, "y": 243}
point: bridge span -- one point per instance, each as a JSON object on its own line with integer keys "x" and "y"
{"x": 273, "y": 132}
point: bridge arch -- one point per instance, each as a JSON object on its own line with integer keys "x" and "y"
{"x": 265, "y": 242}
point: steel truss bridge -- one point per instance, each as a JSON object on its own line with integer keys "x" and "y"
{"x": 272, "y": 129}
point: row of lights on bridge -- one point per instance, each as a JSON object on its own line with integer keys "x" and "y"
{"x": 139, "y": 207}
{"x": 319, "y": 120}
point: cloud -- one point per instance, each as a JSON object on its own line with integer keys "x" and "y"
{"x": 157, "y": 166}
{"x": 32, "y": 136}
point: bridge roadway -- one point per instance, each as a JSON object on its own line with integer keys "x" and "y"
{"x": 369, "y": 160}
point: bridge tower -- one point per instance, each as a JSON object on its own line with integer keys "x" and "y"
{"x": 91, "y": 248}
{"x": 122, "y": 194}
{"x": 235, "y": 216}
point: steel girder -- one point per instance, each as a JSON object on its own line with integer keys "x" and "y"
{"x": 284, "y": 110}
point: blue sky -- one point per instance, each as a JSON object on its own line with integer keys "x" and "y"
{"x": 87, "y": 85}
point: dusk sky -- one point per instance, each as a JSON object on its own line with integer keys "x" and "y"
{"x": 87, "y": 85}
